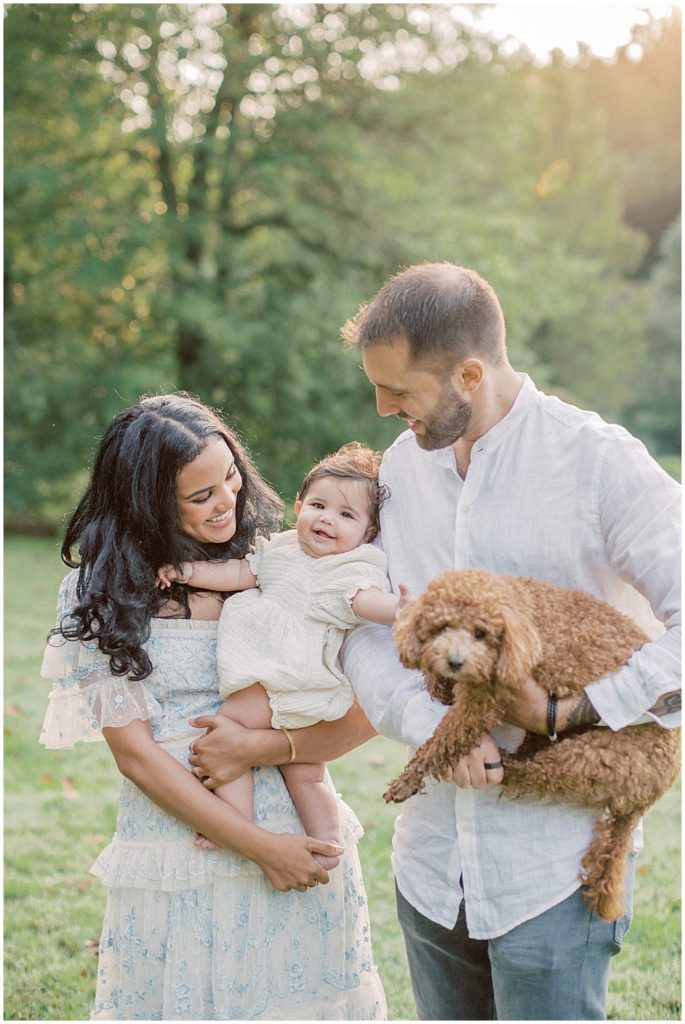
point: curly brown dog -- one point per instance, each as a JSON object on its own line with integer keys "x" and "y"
{"x": 477, "y": 637}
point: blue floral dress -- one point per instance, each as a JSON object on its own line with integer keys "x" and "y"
{"x": 192, "y": 934}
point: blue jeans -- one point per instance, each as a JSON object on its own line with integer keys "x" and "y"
{"x": 553, "y": 967}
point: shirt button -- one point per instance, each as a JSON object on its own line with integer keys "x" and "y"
{"x": 465, "y": 508}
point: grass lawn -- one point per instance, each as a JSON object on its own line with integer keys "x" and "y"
{"x": 60, "y": 809}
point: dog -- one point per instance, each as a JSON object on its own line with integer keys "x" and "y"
{"x": 477, "y": 637}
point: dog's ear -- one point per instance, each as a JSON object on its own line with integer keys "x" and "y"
{"x": 406, "y": 633}
{"x": 520, "y": 648}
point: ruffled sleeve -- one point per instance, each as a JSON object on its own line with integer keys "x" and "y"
{"x": 340, "y": 578}
{"x": 264, "y": 546}
{"x": 85, "y": 695}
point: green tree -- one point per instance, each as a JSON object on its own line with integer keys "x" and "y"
{"x": 199, "y": 195}
{"x": 640, "y": 91}
{"x": 655, "y": 415}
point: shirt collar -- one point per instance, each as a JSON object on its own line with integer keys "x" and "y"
{"x": 526, "y": 398}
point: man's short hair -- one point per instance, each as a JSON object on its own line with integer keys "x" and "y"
{"x": 444, "y": 311}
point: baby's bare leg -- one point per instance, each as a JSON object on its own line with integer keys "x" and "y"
{"x": 250, "y": 708}
{"x": 316, "y": 805}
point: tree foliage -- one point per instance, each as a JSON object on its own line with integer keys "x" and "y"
{"x": 198, "y": 196}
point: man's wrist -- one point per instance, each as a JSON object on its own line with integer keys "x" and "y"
{"x": 573, "y": 712}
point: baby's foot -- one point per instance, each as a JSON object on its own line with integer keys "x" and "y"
{"x": 328, "y": 862}
{"x": 204, "y": 843}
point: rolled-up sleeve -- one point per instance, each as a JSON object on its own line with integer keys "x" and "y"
{"x": 639, "y": 509}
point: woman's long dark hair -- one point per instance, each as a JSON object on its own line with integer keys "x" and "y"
{"x": 127, "y": 524}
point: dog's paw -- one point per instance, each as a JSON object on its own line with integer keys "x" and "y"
{"x": 401, "y": 789}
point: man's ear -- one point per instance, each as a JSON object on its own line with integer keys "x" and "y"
{"x": 297, "y": 507}
{"x": 468, "y": 375}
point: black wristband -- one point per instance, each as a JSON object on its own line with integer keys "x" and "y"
{"x": 552, "y": 717}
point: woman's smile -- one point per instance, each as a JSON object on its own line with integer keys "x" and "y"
{"x": 222, "y": 518}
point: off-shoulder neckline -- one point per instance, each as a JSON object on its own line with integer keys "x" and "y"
{"x": 167, "y": 624}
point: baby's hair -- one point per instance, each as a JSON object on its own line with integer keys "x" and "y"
{"x": 354, "y": 461}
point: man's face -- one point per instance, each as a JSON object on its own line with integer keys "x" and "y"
{"x": 429, "y": 402}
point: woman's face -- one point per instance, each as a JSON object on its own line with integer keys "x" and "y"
{"x": 206, "y": 492}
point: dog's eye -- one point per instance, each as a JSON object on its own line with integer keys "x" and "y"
{"x": 479, "y": 634}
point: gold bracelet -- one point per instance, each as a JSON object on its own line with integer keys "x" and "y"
{"x": 291, "y": 741}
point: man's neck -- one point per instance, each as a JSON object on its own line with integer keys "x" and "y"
{"x": 494, "y": 400}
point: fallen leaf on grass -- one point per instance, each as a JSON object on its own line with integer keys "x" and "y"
{"x": 84, "y": 884}
{"x": 92, "y": 946}
{"x": 69, "y": 790}
{"x": 12, "y": 709}
{"x": 46, "y": 778}
{"x": 95, "y": 839}
{"x": 8, "y": 731}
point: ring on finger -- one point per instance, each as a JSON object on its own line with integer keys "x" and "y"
{"x": 491, "y": 766}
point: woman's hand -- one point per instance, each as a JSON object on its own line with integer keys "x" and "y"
{"x": 227, "y": 750}
{"x": 288, "y": 863}
{"x": 475, "y": 770}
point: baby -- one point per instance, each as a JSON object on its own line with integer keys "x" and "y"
{"x": 301, "y": 591}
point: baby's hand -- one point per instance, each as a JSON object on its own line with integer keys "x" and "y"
{"x": 168, "y": 574}
{"x": 405, "y": 599}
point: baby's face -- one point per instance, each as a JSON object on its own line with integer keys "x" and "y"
{"x": 333, "y": 516}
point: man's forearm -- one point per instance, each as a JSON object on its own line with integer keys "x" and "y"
{"x": 668, "y": 704}
{"x": 574, "y": 712}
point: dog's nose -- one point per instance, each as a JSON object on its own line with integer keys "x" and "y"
{"x": 455, "y": 661}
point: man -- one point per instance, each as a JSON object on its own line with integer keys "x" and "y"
{"x": 493, "y": 474}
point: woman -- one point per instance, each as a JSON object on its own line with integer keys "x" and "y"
{"x": 245, "y": 931}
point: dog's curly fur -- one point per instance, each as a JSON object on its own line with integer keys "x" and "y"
{"x": 477, "y": 637}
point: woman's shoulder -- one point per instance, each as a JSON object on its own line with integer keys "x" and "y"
{"x": 67, "y": 596}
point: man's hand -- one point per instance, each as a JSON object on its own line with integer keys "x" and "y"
{"x": 227, "y": 750}
{"x": 473, "y": 771}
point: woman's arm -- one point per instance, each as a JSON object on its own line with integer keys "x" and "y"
{"x": 227, "y": 749}
{"x": 286, "y": 860}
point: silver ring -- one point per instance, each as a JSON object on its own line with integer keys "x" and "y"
{"x": 191, "y": 748}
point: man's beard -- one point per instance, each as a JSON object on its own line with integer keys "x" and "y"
{"x": 448, "y": 423}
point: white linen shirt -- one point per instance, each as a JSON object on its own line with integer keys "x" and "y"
{"x": 555, "y": 493}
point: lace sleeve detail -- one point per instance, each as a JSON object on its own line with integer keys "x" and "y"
{"x": 85, "y": 695}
